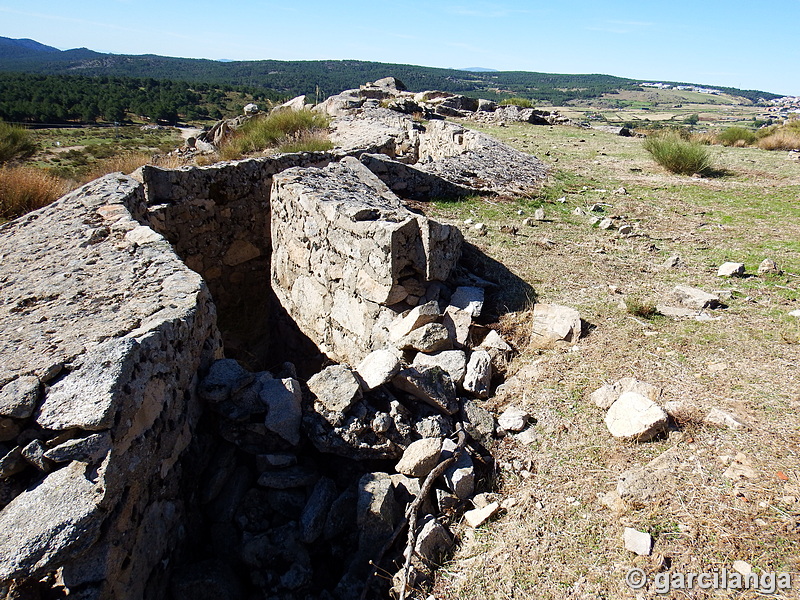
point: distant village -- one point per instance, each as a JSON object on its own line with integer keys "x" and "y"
{"x": 787, "y": 107}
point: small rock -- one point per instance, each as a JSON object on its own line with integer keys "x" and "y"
{"x": 552, "y": 323}
{"x": 724, "y": 419}
{"x": 420, "y": 457}
{"x": 34, "y": 454}
{"x": 312, "y": 520}
{"x": 638, "y": 542}
{"x": 377, "y": 368}
{"x": 12, "y": 463}
{"x": 620, "y": 191}
{"x": 432, "y": 385}
{"x": 606, "y": 223}
{"x": 291, "y": 477}
{"x": 86, "y": 449}
{"x": 513, "y": 419}
{"x": 635, "y": 417}
{"x": 691, "y": 297}
{"x": 18, "y": 398}
{"x": 469, "y": 299}
{"x": 285, "y": 413}
{"x": 336, "y": 387}
{"x": 469, "y": 222}
{"x": 529, "y": 222}
{"x": 377, "y": 509}
{"x": 479, "y": 516}
{"x": 225, "y": 377}
{"x": 625, "y": 230}
{"x": 794, "y": 313}
{"x": 606, "y": 395}
{"x": 672, "y": 262}
{"x": 527, "y": 437}
{"x": 478, "y": 378}
{"x": 768, "y": 267}
{"x": 612, "y": 501}
{"x": 480, "y": 228}
{"x": 731, "y": 269}
{"x": 539, "y": 215}
{"x": 460, "y": 477}
{"x": 431, "y": 337}
{"x": 458, "y": 323}
{"x": 416, "y": 317}
{"x": 741, "y": 468}
{"x": 478, "y": 422}
{"x": 579, "y": 211}
{"x": 742, "y": 567}
{"x": 433, "y": 541}
{"x": 452, "y": 361}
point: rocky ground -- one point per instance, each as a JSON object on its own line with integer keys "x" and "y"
{"x": 612, "y": 235}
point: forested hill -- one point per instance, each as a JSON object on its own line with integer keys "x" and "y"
{"x": 321, "y": 77}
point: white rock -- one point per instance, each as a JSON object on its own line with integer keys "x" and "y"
{"x": 552, "y": 323}
{"x": 606, "y": 395}
{"x": 691, "y": 297}
{"x": 768, "y": 267}
{"x": 478, "y": 378}
{"x": 742, "y": 567}
{"x": 479, "y": 516}
{"x": 635, "y": 417}
{"x": 416, "y": 317}
{"x": 460, "y": 477}
{"x": 284, "y": 399}
{"x": 469, "y": 299}
{"x": 420, "y": 457}
{"x": 433, "y": 541}
{"x": 606, "y": 224}
{"x": 377, "y": 368}
{"x": 452, "y": 361}
{"x": 724, "y": 419}
{"x": 538, "y": 214}
{"x": 513, "y": 419}
{"x": 638, "y": 542}
{"x": 731, "y": 269}
{"x": 795, "y": 313}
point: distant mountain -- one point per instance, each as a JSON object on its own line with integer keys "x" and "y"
{"x": 318, "y": 78}
{"x": 18, "y": 48}
{"x": 479, "y": 70}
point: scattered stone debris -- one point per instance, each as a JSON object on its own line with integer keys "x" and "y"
{"x": 741, "y": 467}
{"x": 724, "y": 419}
{"x": 638, "y": 542}
{"x": 553, "y": 323}
{"x": 768, "y": 267}
{"x": 635, "y": 417}
{"x": 731, "y": 269}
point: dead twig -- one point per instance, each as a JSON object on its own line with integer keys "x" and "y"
{"x": 413, "y": 508}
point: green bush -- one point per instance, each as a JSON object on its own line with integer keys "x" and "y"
{"x": 736, "y": 136}
{"x": 274, "y": 130}
{"x": 517, "y": 101}
{"x": 16, "y": 143}
{"x": 678, "y": 155}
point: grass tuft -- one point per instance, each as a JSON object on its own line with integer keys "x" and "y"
{"x": 640, "y": 308}
{"x": 517, "y": 101}
{"x": 23, "y": 189}
{"x": 278, "y": 130}
{"x": 16, "y": 143}
{"x": 678, "y": 155}
{"x": 736, "y": 136}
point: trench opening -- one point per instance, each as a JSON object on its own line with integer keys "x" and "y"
{"x": 313, "y": 509}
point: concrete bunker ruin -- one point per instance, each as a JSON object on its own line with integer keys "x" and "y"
{"x": 135, "y": 457}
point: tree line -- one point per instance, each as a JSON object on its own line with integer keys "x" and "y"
{"x": 28, "y": 98}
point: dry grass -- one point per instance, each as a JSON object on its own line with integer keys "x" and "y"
{"x": 23, "y": 189}
{"x": 781, "y": 140}
{"x": 562, "y": 539}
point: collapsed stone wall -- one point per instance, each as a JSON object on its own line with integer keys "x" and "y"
{"x": 104, "y": 331}
{"x": 346, "y": 249}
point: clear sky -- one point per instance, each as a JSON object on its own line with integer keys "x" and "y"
{"x": 746, "y": 45}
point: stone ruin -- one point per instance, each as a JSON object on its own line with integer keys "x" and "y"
{"x": 233, "y": 381}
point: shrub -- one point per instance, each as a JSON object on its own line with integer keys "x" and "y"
{"x": 126, "y": 163}
{"x": 517, "y": 101}
{"x": 784, "y": 139}
{"x": 693, "y": 119}
{"x": 16, "y": 143}
{"x": 678, "y": 155}
{"x": 273, "y": 131}
{"x": 23, "y": 189}
{"x": 736, "y": 136}
{"x": 306, "y": 141}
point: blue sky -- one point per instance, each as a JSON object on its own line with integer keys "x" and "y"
{"x": 738, "y": 44}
